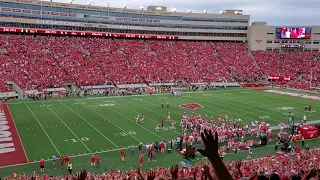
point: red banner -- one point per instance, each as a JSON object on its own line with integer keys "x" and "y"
{"x": 280, "y": 78}
{"x": 81, "y": 33}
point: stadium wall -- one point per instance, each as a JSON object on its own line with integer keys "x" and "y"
{"x": 263, "y": 37}
{"x": 230, "y": 25}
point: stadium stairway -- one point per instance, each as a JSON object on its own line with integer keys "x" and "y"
{"x": 71, "y": 86}
{"x": 17, "y": 89}
{"x": 253, "y": 59}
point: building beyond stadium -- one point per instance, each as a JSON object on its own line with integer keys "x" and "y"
{"x": 155, "y": 22}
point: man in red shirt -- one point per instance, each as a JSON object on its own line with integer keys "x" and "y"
{"x": 67, "y": 160}
{"x": 122, "y": 155}
{"x": 62, "y": 161}
{"x": 141, "y": 159}
{"x": 93, "y": 160}
{"x": 42, "y": 165}
{"x": 98, "y": 161}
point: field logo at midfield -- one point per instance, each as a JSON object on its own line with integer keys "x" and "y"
{"x": 11, "y": 149}
{"x": 192, "y": 106}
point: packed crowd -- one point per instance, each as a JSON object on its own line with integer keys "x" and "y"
{"x": 294, "y": 64}
{"x": 295, "y": 165}
{"x": 38, "y": 62}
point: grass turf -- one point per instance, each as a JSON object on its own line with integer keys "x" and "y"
{"x": 86, "y": 126}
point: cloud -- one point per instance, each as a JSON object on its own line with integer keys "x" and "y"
{"x": 274, "y": 12}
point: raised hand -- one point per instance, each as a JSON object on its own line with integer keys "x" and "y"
{"x": 211, "y": 152}
{"x": 82, "y": 175}
{"x": 138, "y": 170}
{"x": 238, "y": 166}
{"x": 210, "y": 144}
{"x": 174, "y": 171}
{"x": 151, "y": 175}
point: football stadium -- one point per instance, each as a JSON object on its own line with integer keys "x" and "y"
{"x": 90, "y": 92}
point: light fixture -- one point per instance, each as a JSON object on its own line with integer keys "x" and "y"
{"x": 173, "y": 9}
{"x": 141, "y": 7}
{"x": 89, "y": 3}
{"x": 190, "y": 10}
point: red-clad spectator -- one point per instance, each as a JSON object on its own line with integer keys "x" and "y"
{"x": 42, "y": 165}
{"x": 93, "y": 161}
{"x": 98, "y": 161}
{"x": 67, "y": 160}
{"x": 122, "y": 155}
{"x": 62, "y": 160}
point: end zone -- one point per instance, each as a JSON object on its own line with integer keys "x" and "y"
{"x": 11, "y": 148}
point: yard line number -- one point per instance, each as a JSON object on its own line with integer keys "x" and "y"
{"x": 129, "y": 133}
{"x": 169, "y": 128}
{"x": 76, "y": 140}
{"x": 264, "y": 117}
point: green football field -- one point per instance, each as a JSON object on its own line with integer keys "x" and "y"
{"x": 102, "y": 126}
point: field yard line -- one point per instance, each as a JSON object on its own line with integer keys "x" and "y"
{"x": 264, "y": 93}
{"x": 133, "y": 122}
{"x": 247, "y": 104}
{"x": 89, "y": 124}
{"x": 105, "y": 97}
{"x": 67, "y": 127}
{"x": 227, "y": 110}
{"x": 44, "y": 130}
{"x": 110, "y": 122}
{"x": 268, "y": 100}
{"x": 149, "y": 110}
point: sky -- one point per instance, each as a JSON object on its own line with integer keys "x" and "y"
{"x": 274, "y": 12}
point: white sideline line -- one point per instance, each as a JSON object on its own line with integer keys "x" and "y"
{"x": 17, "y": 131}
{"x": 101, "y": 152}
{"x": 79, "y": 155}
{"x": 89, "y": 124}
{"x": 132, "y": 121}
{"x": 105, "y": 97}
{"x": 44, "y": 130}
{"x": 67, "y": 127}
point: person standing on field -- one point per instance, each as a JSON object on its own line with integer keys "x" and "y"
{"x": 122, "y": 155}
{"x": 54, "y": 158}
{"x": 98, "y": 161}
{"x": 93, "y": 160}
{"x": 62, "y": 161}
{"x": 42, "y": 165}
{"x": 70, "y": 168}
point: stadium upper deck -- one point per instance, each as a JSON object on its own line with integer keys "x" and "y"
{"x": 155, "y": 22}
{"x": 230, "y": 25}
